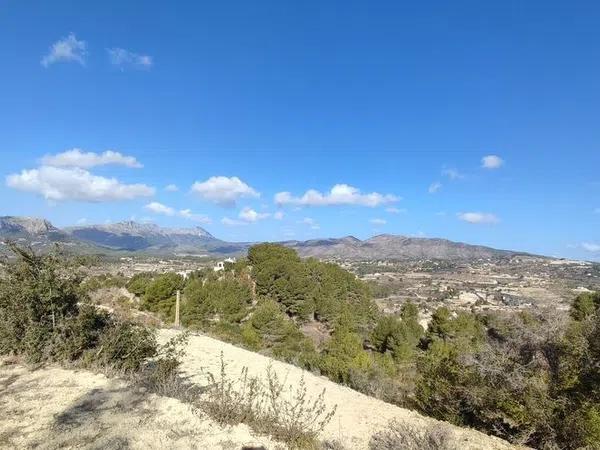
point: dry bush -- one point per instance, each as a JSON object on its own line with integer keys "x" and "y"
{"x": 161, "y": 375}
{"x": 402, "y": 436}
{"x": 283, "y": 412}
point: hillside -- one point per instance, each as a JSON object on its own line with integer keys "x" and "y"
{"x": 357, "y": 417}
{"x": 143, "y": 238}
{"x": 81, "y": 407}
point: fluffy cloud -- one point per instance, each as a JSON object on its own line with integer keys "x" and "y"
{"x": 159, "y": 208}
{"x": 590, "y": 247}
{"x": 278, "y": 215}
{"x": 68, "y": 49}
{"x": 246, "y": 216}
{"x": 224, "y": 191}
{"x": 478, "y": 217}
{"x": 58, "y": 184}
{"x": 340, "y": 194}
{"x": 434, "y": 187}
{"x": 250, "y": 215}
{"x": 124, "y": 58}
{"x": 171, "y": 188}
{"x": 378, "y": 221}
{"x": 491, "y": 162}
{"x": 86, "y": 160}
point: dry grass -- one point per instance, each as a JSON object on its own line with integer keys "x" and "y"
{"x": 272, "y": 408}
{"x": 403, "y": 436}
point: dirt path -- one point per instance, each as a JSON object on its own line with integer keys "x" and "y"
{"x": 358, "y": 416}
{"x": 54, "y": 408}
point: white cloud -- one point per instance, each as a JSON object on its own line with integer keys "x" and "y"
{"x": 159, "y": 208}
{"x": 85, "y": 160}
{"x": 125, "y": 59}
{"x": 58, "y": 184}
{"x": 67, "y": 49}
{"x": 590, "y": 247}
{"x": 378, "y": 221}
{"x": 491, "y": 162}
{"x": 453, "y": 174}
{"x": 478, "y": 218}
{"x": 188, "y": 214}
{"x": 171, "y": 188}
{"x": 312, "y": 223}
{"x": 224, "y": 191}
{"x": 82, "y": 221}
{"x": 278, "y": 215}
{"x": 434, "y": 187}
{"x": 250, "y": 215}
{"x": 340, "y": 194}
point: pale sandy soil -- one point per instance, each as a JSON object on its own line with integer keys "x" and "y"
{"x": 358, "y": 416}
{"x": 54, "y": 408}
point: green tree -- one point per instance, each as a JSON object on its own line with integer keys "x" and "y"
{"x": 160, "y": 294}
{"x": 585, "y": 305}
{"x": 138, "y": 283}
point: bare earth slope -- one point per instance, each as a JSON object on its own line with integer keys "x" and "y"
{"x": 54, "y": 408}
{"x": 358, "y": 416}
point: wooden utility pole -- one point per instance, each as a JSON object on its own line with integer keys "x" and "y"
{"x": 177, "y": 308}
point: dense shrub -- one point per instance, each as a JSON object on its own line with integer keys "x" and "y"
{"x": 226, "y": 299}
{"x": 96, "y": 282}
{"x": 531, "y": 379}
{"x": 138, "y": 283}
{"x": 44, "y": 318}
{"x": 585, "y": 305}
{"x": 159, "y": 295}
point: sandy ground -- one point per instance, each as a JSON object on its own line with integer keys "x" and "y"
{"x": 54, "y": 408}
{"x": 357, "y": 417}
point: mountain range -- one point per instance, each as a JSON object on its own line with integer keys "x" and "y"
{"x": 141, "y": 238}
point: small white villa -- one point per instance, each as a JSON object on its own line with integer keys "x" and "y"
{"x": 221, "y": 264}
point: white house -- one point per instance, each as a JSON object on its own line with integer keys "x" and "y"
{"x": 221, "y": 264}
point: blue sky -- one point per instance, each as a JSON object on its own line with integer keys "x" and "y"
{"x": 393, "y": 98}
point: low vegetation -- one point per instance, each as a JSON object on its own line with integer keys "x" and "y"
{"x": 45, "y": 317}
{"x": 530, "y": 378}
{"x": 270, "y": 407}
{"x": 403, "y": 436}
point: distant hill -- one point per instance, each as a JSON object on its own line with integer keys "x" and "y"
{"x": 36, "y": 232}
{"x": 141, "y": 238}
{"x": 134, "y": 237}
{"x": 387, "y": 246}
